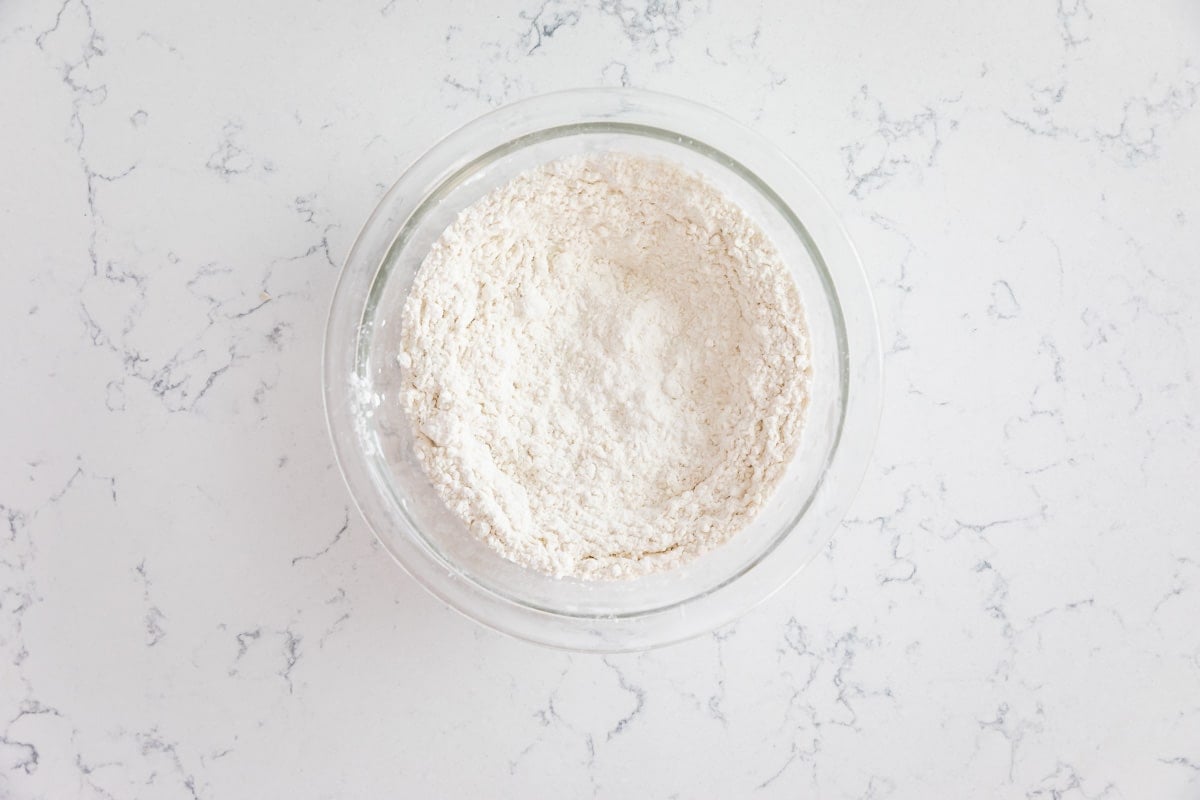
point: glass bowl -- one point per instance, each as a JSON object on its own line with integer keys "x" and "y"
{"x": 373, "y": 441}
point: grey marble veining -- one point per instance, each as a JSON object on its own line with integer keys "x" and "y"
{"x": 191, "y": 608}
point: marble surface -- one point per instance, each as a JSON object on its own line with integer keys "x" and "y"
{"x": 190, "y": 607}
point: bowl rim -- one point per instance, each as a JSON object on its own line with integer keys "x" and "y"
{"x": 849, "y": 290}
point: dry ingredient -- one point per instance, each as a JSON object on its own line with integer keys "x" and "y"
{"x": 606, "y": 366}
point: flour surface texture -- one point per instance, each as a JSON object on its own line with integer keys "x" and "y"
{"x": 606, "y": 367}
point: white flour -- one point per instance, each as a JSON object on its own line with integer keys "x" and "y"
{"x": 606, "y": 367}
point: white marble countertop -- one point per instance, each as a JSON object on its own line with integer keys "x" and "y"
{"x": 190, "y": 607}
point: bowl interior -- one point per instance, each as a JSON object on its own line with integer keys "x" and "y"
{"x": 384, "y": 434}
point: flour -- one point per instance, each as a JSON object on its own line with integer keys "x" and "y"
{"x": 606, "y": 367}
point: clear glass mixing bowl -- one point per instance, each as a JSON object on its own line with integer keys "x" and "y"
{"x": 374, "y": 444}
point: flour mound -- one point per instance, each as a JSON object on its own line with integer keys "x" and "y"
{"x": 606, "y": 367}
